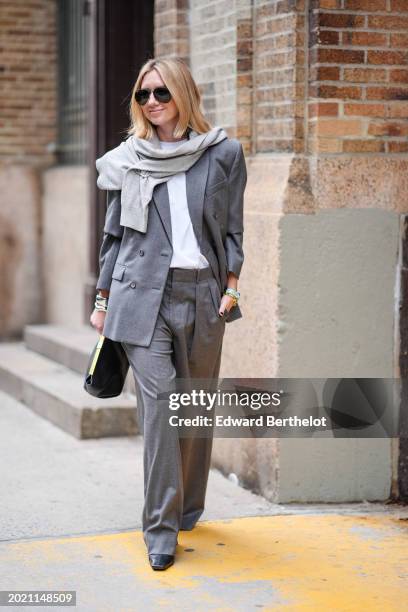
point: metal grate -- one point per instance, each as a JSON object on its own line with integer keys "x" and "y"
{"x": 73, "y": 41}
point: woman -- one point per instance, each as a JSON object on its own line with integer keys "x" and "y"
{"x": 169, "y": 266}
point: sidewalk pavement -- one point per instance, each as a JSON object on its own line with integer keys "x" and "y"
{"x": 70, "y": 520}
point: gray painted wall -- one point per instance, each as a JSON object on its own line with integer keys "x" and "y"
{"x": 336, "y": 319}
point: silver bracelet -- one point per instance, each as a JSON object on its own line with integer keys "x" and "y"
{"x": 99, "y": 307}
{"x": 101, "y": 303}
{"x": 103, "y": 297}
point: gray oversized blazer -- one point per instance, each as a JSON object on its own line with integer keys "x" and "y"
{"x": 134, "y": 265}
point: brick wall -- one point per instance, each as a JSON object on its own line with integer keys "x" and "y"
{"x": 215, "y": 38}
{"x": 244, "y": 85}
{"x": 28, "y": 80}
{"x": 249, "y": 62}
{"x": 279, "y": 68}
{"x": 213, "y": 58}
{"x": 171, "y": 29}
{"x": 358, "y": 76}
{"x": 297, "y": 76}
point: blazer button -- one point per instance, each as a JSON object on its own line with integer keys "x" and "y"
{"x": 141, "y": 252}
{"x": 133, "y": 285}
{"x": 215, "y": 215}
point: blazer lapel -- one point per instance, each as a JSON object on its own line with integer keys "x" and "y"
{"x": 196, "y": 179}
{"x": 161, "y": 200}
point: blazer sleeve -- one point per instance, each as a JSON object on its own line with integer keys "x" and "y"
{"x": 235, "y": 223}
{"x": 112, "y": 237}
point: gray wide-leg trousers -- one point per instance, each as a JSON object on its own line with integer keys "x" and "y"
{"x": 186, "y": 343}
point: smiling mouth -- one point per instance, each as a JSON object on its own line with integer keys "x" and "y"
{"x": 157, "y": 110}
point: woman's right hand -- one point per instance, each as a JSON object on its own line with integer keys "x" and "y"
{"x": 97, "y": 320}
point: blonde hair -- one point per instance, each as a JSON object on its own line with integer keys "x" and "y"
{"x": 178, "y": 79}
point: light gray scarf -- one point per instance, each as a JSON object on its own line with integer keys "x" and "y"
{"x": 137, "y": 165}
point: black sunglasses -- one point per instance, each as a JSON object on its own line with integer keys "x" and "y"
{"x": 161, "y": 94}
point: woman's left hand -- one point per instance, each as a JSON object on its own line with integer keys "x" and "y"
{"x": 227, "y": 303}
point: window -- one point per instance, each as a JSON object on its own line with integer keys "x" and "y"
{"x": 73, "y": 56}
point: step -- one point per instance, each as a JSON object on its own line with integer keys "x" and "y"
{"x": 56, "y": 393}
{"x": 68, "y": 346}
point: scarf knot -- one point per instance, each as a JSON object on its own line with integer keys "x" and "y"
{"x": 137, "y": 165}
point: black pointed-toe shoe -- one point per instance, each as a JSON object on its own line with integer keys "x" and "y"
{"x": 161, "y": 562}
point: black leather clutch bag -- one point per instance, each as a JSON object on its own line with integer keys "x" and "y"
{"x": 107, "y": 369}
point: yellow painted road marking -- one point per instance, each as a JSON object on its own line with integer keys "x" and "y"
{"x": 304, "y": 562}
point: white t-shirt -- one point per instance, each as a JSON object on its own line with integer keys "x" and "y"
{"x": 186, "y": 251}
